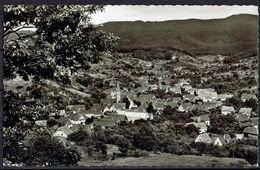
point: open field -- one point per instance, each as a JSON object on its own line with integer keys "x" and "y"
{"x": 171, "y": 160}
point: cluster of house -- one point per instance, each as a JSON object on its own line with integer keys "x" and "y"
{"x": 219, "y": 140}
{"x": 124, "y": 105}
{"x": 203, "y": 122}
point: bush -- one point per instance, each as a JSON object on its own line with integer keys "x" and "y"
{"x": 44, "y": 150}
{"x": 145, "y": 139}
{"x": 78, "y": 136}
{"x": 191, "y": 129}
{"x": 52, "y": 122}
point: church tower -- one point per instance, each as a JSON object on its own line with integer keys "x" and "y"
{"x": 118, "y": 92}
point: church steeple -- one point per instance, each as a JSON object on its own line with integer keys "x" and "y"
{"x": 118, "y": 92}
{"x": 117, "y": 86}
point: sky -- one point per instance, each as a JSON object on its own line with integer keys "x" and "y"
{"x": 168, "y": 12}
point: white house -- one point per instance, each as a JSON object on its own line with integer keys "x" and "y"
{"x": 41, "y": 123}
{"x": 63, "y": 131}
{"x": 223, "y": 97}
{"x": 218, "y": 141}
{"x": 181, "y": 109}
{"x": 204, "y": 138}
{"x": 176, "y": 90}
{"x": 78, "y": 119}
{"x": 202, "y": 127}
{"x": 205, "y": 118}
{"x": 239, "y": 136}
{"x": 245, "y": 97}
{"x": 207, "y": 95}
{"x": 135, "y": 115}
{"x": 245, "y": 111}
{"x": 225, "y": 110}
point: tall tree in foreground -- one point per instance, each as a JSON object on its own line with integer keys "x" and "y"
{"x": 64, "y": 40}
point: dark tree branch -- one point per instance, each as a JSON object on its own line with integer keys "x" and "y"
{"x": 9, "y": 31}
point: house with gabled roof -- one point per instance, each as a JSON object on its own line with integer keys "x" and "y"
{"x": 172, "y": 104}
{"x": 132, "y": 95}
{"x": 225, "y": 110}
{"x": 186, "y": 87}
{"x": 207, "y": 95}
{"x": 227, "y": 138}
{"x": 246, "y": 96}
{"x": 239, "y": 136}
{"x": 152, "y": 87}
{"x": 165, "y": 88}
{"x": 63, "y": 132}
{"x": 166, "y": 80}
{"x": 192, "y": 91}
{"x": 184, "y": 82}
{"x": 254, "y": 121}
{"x": 146, "y": 98}
{"x": 142, "y": 107}
{"x": 245, "y": 124}
{"x": 245, "y": 111}
{"x": 78, "y": 119}
{"x": 186, "y": 107}
{"x": 203, "y": 138}
{"x": 181, "y": 108}
{"x": 158, "y": 105}
{"x": 223, "y": 97}
{"x": 116, "y": 106}
{"x": 61, "y": 113}
{"x": 242, "y": 118}
{"x": 218, "y": 140}
{"x": 251, "y": 132}
{"x": 135, "y": 115}
{"x": 75, "y": 108}
{"x": 205, "y": 118}
{"x": 206, "y": 106}
{"x": 112, "y": 150}
{"x": 195, "y": 118}
{"x": 159, "y": 112}
{"x": 141, "y": 89}
{"x": 176, "y": 99}
{"x": 42, "y": 123}
{"x": 116, "y": 117}
{"x": 189, "y": 97}
{"x": 202, "y": 126}
{"x": 96, "y": 111}
{"x": 176, "y": 90}
{"x": 104, "y": 123}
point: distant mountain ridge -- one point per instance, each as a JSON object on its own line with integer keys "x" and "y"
{"x": 227, "y": 36}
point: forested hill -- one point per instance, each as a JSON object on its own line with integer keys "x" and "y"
{"x": 226, "y": 36}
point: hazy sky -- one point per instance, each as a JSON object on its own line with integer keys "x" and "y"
{"x": 168, "y": 12}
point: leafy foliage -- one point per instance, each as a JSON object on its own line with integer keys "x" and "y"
{"x": 64, "y": 41}
{"x": 44, "y": 150}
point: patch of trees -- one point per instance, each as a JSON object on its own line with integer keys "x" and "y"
{"x": 221, "y": 124}
{"x": 64, "y": 38}
{"x": 78, "y": 136}
{"x": 64, "y": 42}
{"x": 175, "y": 116}
{"x": 39, "y": 150}
{"x": 236, "y": 102}
{"x": 241, "y": 55}
{"x": 144, "y": 139}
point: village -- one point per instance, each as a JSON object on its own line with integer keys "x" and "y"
{"x": 123, "y": 104}
{"x": 82, "y": 88}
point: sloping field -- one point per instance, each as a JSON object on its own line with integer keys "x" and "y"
{"x": 171, "y": 160}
